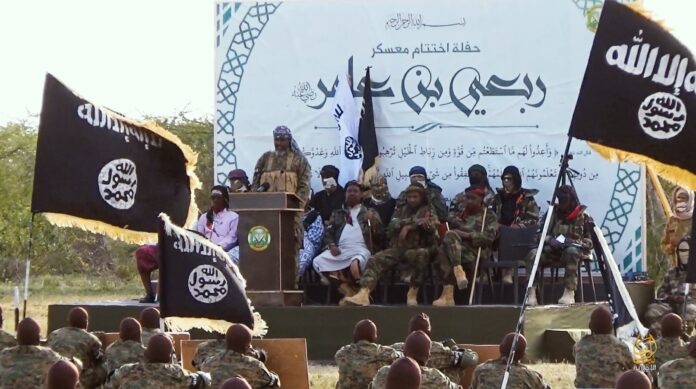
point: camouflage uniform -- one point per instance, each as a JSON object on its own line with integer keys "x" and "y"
{"x": 209, "y": 348}
{"x": 526, "y": 208}
{"x": 456, "y": 251}
{"x": 599, "y": 360}
{"x": 672, "y": 286}
{"x": 678, "y": 374}
{"x": 26, "y": 366}
{"x": 7, "y": 340}
{"x": 150, "y": 332}
{"x": 669, "y": 349}
{"x": 154, "y": 376}
{"x": 489, "y": 375}
{"x": 449, "y": 359}
{"x": 420, "y": 245}
{"x": 229, "y": 363}
{"x": 569, "y": 255}
{"x": 457, "y": 204}
{"x": 358, "y": 363}
{"x": 72, "y": 342}
{"x": 435, "y": 198}
{"x": 430, "y": 379}
{"x": 122, "y": 353}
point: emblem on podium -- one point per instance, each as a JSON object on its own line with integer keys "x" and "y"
{"x": 259, "y": 238}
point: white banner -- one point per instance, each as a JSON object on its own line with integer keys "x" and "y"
{"x": 346, "y": 115}
{"x": 454, "y": 83}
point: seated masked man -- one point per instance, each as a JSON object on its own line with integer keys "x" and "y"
{"x": 515, "y": 206}
{"x": 239, "y": 182}
{"x": 349, "y": 235}
{"x": 332, "y": 196}
{"x": 461, "y": 244}
{"x": 219, "y": 225}
{"x": 414, "y": 240}
{"x": 478, "y": 178}
{"x": 568, "y": 241}
{"x": 380, "y": 200}
{"x": 670, "y": 297}
{"x": 313, "y": 226}
{"x": 419, "y": 177}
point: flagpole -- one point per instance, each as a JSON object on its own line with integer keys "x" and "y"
{"x": 535, "y": 266}
{"x": 28, "y": 265}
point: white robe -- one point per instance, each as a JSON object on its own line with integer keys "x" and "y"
{"x": 352, "y": 246}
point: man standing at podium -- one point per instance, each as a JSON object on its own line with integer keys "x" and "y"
{"x": 284, "y": 169}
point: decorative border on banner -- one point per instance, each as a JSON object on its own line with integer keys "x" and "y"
{"x": 230, "y": 79}
{"x": 622, "y": 203}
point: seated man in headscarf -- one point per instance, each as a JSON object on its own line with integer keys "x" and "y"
{"x": 313, "y": 226}
{"x": 419, "y": 177}
{"x": 332, "y": 197}
{"x": 478, "y": 179}
{"x": 490, "y": 374}
{"x": 568, "y": 241}
{"x": 285, "y": 169}
{"x": 380, "y": 200}
{"x": 515, "y": 206}
{"x": 239, "y": 182}
{"x": 678, "y": 226}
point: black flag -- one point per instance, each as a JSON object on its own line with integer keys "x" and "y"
{"x": 198, "y": 280}
{"x": 638, "y": 98}
{"x": 367, "y": 137}
{"x": 105, "y": 173}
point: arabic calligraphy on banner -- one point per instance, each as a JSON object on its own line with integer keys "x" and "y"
{"x": 492, "y": 83}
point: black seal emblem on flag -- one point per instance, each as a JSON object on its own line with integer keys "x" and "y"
{"x": 352, "y": 148}
{"x": 199, "y": 281}
{"x": 638, "y": 97}
{"x": 105, "y": 173}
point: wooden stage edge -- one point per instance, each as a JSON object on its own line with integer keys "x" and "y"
{"x": 327, "y": 328}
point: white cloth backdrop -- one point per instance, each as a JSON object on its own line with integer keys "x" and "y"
{"x": 455, "y": 83}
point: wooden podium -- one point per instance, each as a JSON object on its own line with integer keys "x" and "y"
{"x": 267, "y": 246}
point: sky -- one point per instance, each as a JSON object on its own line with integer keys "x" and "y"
{"x": 144, "y": 57}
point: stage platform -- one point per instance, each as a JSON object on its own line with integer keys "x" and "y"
{"x": 327, "y": 328}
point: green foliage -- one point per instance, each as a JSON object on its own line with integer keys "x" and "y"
{"x": 69, "y": 250}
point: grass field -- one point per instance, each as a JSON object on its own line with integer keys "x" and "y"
{"x": 48, "y": 290}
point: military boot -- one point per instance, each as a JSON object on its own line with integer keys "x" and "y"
{"x": 361, "y": 298}
{"x": 446, "y": 299}
{"x": 346, "y": 290}
{"x": 460, "y": 275}
{"x": 568, "y": 297}
{"x": 412, "y": 297}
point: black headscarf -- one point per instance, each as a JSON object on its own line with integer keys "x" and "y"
{"x": 509, "y": 200}
{"x": 210, "y": 215}
{"x": 484, "y": 182}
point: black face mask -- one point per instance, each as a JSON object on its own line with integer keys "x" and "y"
{"x": 476, "y": 181}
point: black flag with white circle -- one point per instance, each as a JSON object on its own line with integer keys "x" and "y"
{"x": 638, "y": 97}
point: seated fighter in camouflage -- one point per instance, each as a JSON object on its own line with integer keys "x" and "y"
{"x": 445, "y": 356}
{"x": 404, "y": 373}
{"x": 489, "y": 375}
{"x": 6, "y": 339}
{"x": 419, "y": 177}
{"x": 127, "y": 349}
{"x": 157, "y": 371}
{"x": 568, "y": 242}
{"x": 234, "y": 361}
{"x": 26, "y": 365}
{"x": 63, "y": 375}
{"x": 358, "y": 362}
{"x": 413, "y": 236}
{"x": 600, "y": 357}
{"x": 670, "y": 346}
{"x": 679, "y": 373}
{"x": 478, "y": 178}
{"x": 75, "y": 342}
{"x": 670, "y": 298}
{"x": 461, "y": 243}
{"x": 417, "y": 347}
{"x": 150, "y": 323}
{"x": 215, "y": 346}
{"x": 515, "y": 206}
